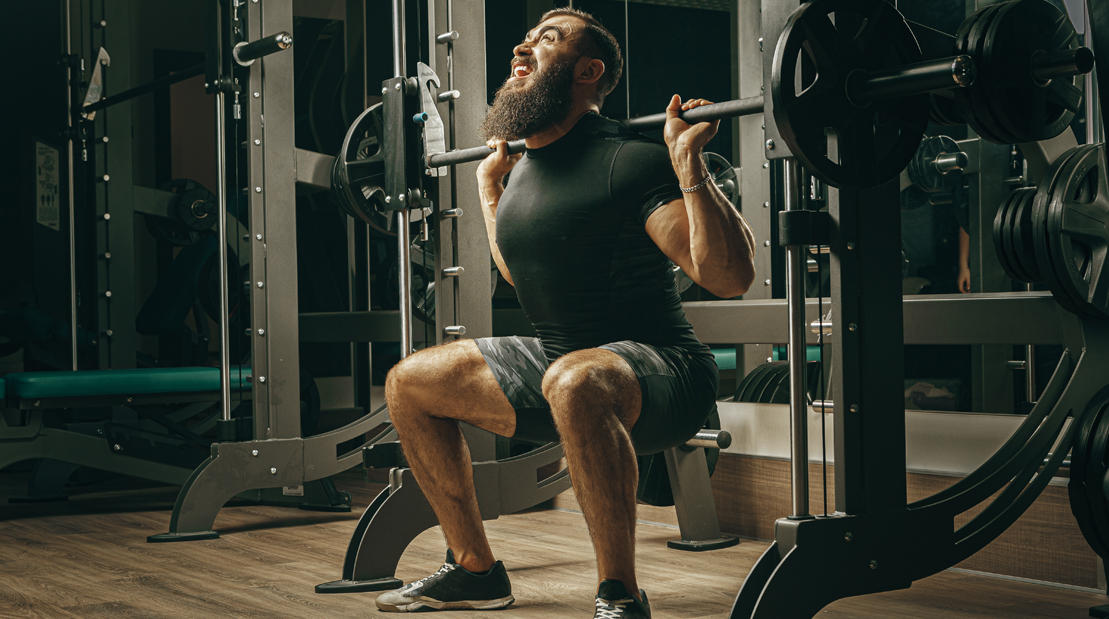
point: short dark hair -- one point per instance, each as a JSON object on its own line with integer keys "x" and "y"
{"x": 598, "y": 43}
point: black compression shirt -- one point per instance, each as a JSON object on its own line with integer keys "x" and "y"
{"x": 571, "y": 228}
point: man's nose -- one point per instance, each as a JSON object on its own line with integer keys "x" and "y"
{"x": 522, "y": 49}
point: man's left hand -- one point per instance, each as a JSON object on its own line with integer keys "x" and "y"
{"x": 680, "y": 136}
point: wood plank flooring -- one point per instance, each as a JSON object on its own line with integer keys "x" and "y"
{"x": 88, "y": 558}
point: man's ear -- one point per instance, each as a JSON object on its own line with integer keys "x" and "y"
{"x": 588, "y": 70}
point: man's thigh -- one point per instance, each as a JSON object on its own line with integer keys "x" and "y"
{"x": 453, "y": 381}
{"x": 678, "y": 389}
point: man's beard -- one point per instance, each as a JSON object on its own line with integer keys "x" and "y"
{"x": 523, "y": 109}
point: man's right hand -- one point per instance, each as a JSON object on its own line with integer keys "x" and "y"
{"x": 494, "y": 167}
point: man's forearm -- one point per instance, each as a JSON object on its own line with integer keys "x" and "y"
{"x": 721, "y": 244}
{"x": 490, "y": 195}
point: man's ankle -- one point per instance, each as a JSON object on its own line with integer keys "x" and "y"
{"x": 473, "y": 563}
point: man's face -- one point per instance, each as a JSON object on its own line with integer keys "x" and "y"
{"x": 539, "y": 91}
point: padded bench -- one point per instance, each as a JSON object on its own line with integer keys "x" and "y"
{"x": 35, "y": 390}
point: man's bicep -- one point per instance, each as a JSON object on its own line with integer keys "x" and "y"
{"x": 668, "y": 227}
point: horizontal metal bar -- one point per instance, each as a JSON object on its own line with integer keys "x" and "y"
{"x": 138, "y": 91}
{"x": 1066, "y": 63}
{"x": 999, "y": 318}
{"x": 945, "y": 73}
{"x": 380, "y": 326}
{"x": 716, "y": 111}
{"x": 711, "y": 439}
{"x": 246, "y": 53}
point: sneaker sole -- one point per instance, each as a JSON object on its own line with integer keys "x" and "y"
{"x": 425, "y": 602}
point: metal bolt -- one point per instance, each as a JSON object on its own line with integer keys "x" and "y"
{"x": 766, "y": 165}
{"x": 769, "y": 359}
{"x": 257, "y": 142}
{"x": 848, "y": 536}
{"x": 261, "y": 379}
{"x": 400, "y": 197}
{"x": 107, "y": 255}
{"x": 854, "y": 408}
{"x": 455, "y": 330}
{"x": 107, "y": 216}
{"x": 257, "y": 94}
{"x": 766, "y": 205}
{"x": 261, "y": 285}
{"x": 104, "y": 139}
{"x": 254, "y": 453}
{"x": 388, "y": 199}
{"x": 246, "y": 331}
{"x": 261, "y": 331}
{"x": 246, "y": 237}
{"x": 128, "y": 400}
{"x": 770, "y": 145}
{"x": 397, "y": 86}
{"x": 107, "y": 294}
{"x": 384, "y": 90}
{"x": 852, "y": 327}
{"x": 766, "y": 243}
{"x": 258, "y": 236}
{"x": 103, "y": 23}
{"x": 257, "y": 190}
{"x": 116, "y": 447}
{"x": 39, "y": 403}
{"x": 767, "y": 282}
{"x": 873, "y": 565}
{"x": 108, "y": 332}
{"x": 850, "y": 246}
{"x": 447, "y": 37}
{"x": 273, "y": 471}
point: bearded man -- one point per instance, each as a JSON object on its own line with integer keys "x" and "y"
{"x": 587, "y": 230}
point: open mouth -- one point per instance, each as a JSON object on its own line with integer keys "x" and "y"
{"x": 520, "y": 71}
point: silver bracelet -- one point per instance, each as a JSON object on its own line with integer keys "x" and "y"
{"x": 708, "y": 177}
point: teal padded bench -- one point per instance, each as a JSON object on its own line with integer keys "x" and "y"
{"x": 725, "y": 358}
{"x": 143, "y": 385}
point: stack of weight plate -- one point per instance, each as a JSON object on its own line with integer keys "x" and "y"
{"x": 1012, "y": 237}
{"x": 1006, "y": 104}
{"x": 1070, "y": 230}
{"x": 1089, "y": 463}
{"x": 769, "y": 383}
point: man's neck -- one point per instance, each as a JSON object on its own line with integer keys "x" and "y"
{"x": 551, "y": 134}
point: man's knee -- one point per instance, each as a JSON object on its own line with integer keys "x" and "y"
{"x": 590, "y": 379}
{"x": 417, "y": 376}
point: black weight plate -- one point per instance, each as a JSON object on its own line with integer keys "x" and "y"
{"x": 984, "y": 115}
{"x": 779, "y": 394}
{"x": 1093, "y": 417}
{"x": 943, "y": 111}
{"x": 764, "y": 380}
{"x": 1039, "y": 229}
{"x": 173, "y": 229}
{"x": 1079, "y": 219}
{"x": 1055, "y": 241}
{"x": 922, "y": 171}
{"x": 654, "y": 479}
{"x": 358, "y": 174}
{"x": 969, "y": 101}
{"x": 723, "y": 174}
{"x": 874, "y": 142}
{"x": 1007, "y": 236}
{"x": 748, "y": 393}
{"x": 1095, "y": 473}
{"x": 1026, "y": 109}
{"x": 769, "y": 382}
{"x": 1022, "y": 237}
{"x": 999, "y": 234}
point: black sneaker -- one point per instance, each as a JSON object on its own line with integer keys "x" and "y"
{"x": 452, "y": 587}
{"x": 614, "y": 602}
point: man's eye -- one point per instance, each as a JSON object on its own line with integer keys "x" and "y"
{"x": 547, "y": 38}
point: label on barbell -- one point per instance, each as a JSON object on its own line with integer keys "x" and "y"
{"x": 293, "y": 491}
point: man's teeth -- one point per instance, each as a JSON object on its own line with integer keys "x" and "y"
{"x": 521, "y": 71}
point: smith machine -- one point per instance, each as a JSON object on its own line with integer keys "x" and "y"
{"x": 851, "y": 96}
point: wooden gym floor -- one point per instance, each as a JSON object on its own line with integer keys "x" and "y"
{"x": 88, "y": 558}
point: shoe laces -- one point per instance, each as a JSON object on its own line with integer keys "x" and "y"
{"x": 446, "y": 569}
{"x": 611, "y": 609}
